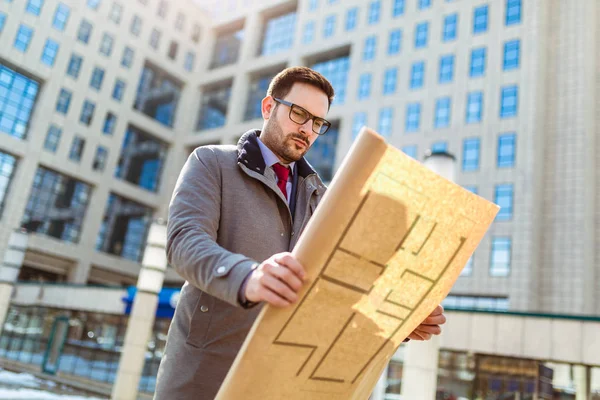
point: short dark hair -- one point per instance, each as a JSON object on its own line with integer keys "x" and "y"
{"x": 282, "y": 83}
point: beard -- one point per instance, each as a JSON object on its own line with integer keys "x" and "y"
{"x": 284, "y": 145}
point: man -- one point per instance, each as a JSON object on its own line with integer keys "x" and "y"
{"x": 234, "y": 216}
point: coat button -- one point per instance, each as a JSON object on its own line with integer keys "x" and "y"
{"x": 203, "y": 308}
{"x": 221, "y": 270}
{"x": 292, "y": 233}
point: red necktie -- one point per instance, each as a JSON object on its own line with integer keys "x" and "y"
{"x": 282, "y": 173}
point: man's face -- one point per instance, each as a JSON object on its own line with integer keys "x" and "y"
{"x": 287, "y": 139}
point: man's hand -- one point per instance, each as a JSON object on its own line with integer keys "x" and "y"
{"x": 430, "y": 326}
{"x": 277, "y": 281}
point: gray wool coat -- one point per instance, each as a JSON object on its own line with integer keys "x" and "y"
{"x": 226, "y": 215}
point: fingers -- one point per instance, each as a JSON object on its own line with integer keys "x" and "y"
{"x": 435, "y": 320}
{"x": 279, "y": 288}
{"x": 285, "y": 275}
{"x": 430, "y": 329}
{"x": 288, "y": 260}
{"x": 439, "y": 310}
{"x": 276, "y": 281}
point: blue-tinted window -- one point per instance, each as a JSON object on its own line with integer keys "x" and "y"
{"x": 93, "y": 4}
{"x": 398, "y": 8}
{"x": 17, "y": 99}
{"x": 213, "y": 110}
{"x": 513, "y": 12}
{"x": 52, "y": 138}
{"x": 279, "y": 33}
{"x": 23, "y": 38}
{"x": 127, "y": 58}
{"x": 471, "y": 148}
{"x": 478, "y": 58}
{"x": 439, "y": 147}
{"x": 507, "y": 143}
{"x": 87, "y": 112}
{"x": 395, "y": 42}
{"x": 7, "y": 168}
{"x": 49, "y": 52}
{"x": 61, "y": 16}
{"x": 450, "y": 27}
{"x": 442, "y": 112}
{"x": 417, "y": 75}
{"x": 501, "y": 256}
{"x": 116, "y": 11}
{"x": 188, "y": 63}
{"x": 413, "y": 117}
{"x": 97, "y": 78}
{"x": 480, "y": 19}
{"x": 85, "y": 31}
{"x": 467, "y": 270}
{"x": 77, "y": 147}
{"x": 136, "y": 27}
{"x": 370, "y": 48}
{"x": 329, "y": 26}
{"x": 34, "y": 6}
{"x": 110, "y": 121}
{"x": 364, "y": 86}
{"x": 312, "y": 5}
{"x": 2, "y": 21}
{"x": 421, "y": 34}
{"x": 118, "y": 90}
{"x": 511, "y": 54}
{"x": 509, "y": 101}
{"x": 351, "y": 19}
{"x": 336, "y": 72}
{"x": 258, "y": 87}
{"x": 385, "y": 121}
{"x": 446, "y": 68}
{"x": 100, "y": 158}
{"x": 358, "y": 121}
{"x": 309, "y": 32}
{"x": 227, "y": 48}
{"x": 474, "y": 107}
{"x": 322, "y": 153}
{"x": 374, "y": 11}
{"x": 504, "y": 198}
{"x": 423, "y": 4}
{"x": 472, "y": 188}
{"x": 106, "y": 45}
{"x": 390, "y": 80}
{"x": 64, "y": 101}
{"x": 410, "y": 150}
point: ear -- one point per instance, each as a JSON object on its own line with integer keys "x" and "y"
{"x": 267, "y": 106}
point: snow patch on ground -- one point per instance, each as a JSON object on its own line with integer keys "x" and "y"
{"x": 15, "y": 386}
{"x": 33, "y": 394}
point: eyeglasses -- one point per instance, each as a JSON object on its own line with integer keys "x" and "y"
{"x": 300, "y": 116}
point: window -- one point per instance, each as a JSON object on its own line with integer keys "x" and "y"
{"x": 258, "y": 88}
{"x": 439, "y": 147}
{"x": 61, "y": 16}
{"x": 450, "y": 25}
{"x": 87, "y": 112}
{"x": 97, "y": 78}
{"x": 196, "y": 33}
{"x": 309, "y": 32}
{"x": 474, "y": 107}
{"x": 359, "y": 120}
{"x": 312, "y": 5}
{"x": 385, "y": 121}
{"x": 446, "y": 68}
{"x": 34, "y": 7}
{"x": 511, "y": 55}
{"x": 322, "y": 155}
{"x": 7, "y": 168}
{"x": 468, "y": 269}
{"x": 398, "y": 8}
{"x": 364, "y": 86}
{"x": 49, "y": 52}
{"x": 173, "y": 47}
{"x": 500, "y": 260}
{"x": 109, "y": 123}
{"x": 417, "y": 75}
{"x": 85, "y": 31}
{"x": 100, "y": 158}
{"x": 471, "y": 148}
{"x": 413, "y": 117}
{"x": 163, "y": 7}
{"x": 485, "y": 303}
{"x": 2, "y": 21}
{"x": 64, "y": 101}
{"x": 423, "y": 4}
{"x": 513, "y": 12}
{"x": 480, "y": 19}
{"x": 136, "y": 26}
{"x": 17, "y": 99}
{"x": 410, "y": 150}
{"x": 106, "y": 45}
{"x": 478, "y": 57}
{"x": 421, "y": 33}
{"x": 157, "y": 94}
{"x": 506, "y": 150}
{"x": 442, "y": 113}
{"x": 213, "y": 109}
{"x": 279, "y": 32}
{"x": 154, "y": 39}
{"x": 351, "y": 18}
{"x": 23, "y": 38}
{"x": 179, "y": 22}
{"x": 127, "y": 58}
{"x": 504, "y": 198}
{"x": 394, "y": 42}
{"x": 52, "y": 138}
{"x": 93, "y": 4}
{"x": 115, "y": 13}
{"x": 118, "y": 90}
{"x": 370, "y": 48}
{"x": 509, "y": 101}
{"x": 227, "y": 48}
{"x": 472, "y": 189}
{"x": 188, "y": 63}
{"x": 77, "y": 147}
{"x": 336, "y": 72}
{"x": 329, "y": 26}
{"x": 374, "y": 11}
{"x": 390, "y": 80}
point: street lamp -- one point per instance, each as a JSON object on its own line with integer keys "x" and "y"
{"x": 143, "y": 313}
{"x": 9, "y": 271}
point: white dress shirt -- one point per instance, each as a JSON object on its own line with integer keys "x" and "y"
{"x": 270, "y": 159}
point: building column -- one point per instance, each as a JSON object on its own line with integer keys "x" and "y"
{"x": 9, "y": 271}
{"x": 143, "y": 313}
{"x": 582, "y": 378}
{"x": 419, "y": 373}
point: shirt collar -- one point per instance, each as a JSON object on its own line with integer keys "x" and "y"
{"x": 270, "y": 157}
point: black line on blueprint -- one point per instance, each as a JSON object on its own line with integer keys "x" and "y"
{"x": 344, "y": 284}
{"x": 412, "y": 226}
{"x": 408, "y": 271}
{"x": 387, "y": 300}
{"x": 375, "y": 263}
{"x": 426, "y": 240}
{"x": 389, "y": 315}
{"x": 312, "y": 376}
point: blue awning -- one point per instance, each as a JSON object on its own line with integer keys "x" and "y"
{"x": 167, "y": 301}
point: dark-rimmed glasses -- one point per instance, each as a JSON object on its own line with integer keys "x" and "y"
{"x": 300, "y": 116}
